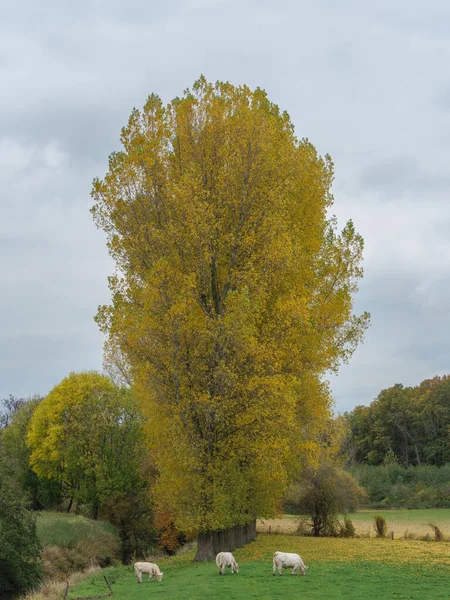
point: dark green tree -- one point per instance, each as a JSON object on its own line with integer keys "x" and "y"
{"x": 413, "y": 423}
{"x": 19, "y": 545}
{"x": 42, "y": 493}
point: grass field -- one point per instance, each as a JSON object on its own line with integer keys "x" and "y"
{"x": 338, "y": 568}
{"x": 411, "y": 522}
{"x": 65, "y": 530}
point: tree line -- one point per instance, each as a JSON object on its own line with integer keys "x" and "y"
{"x": 410, "y": 425}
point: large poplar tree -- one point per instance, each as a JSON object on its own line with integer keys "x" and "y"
{"x": 232, "y": 295}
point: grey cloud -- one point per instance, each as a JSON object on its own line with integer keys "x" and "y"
{"x": 363, "y": 81}
{"x": 403, "y": 177}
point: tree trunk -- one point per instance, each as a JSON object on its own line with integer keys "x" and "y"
{"x": 225, "y": 540}
{"x": 239, "y": 536}
{"x": 228, "y": 540}
{"x": 250, "y": 531}
{"x": 205, "y": 547}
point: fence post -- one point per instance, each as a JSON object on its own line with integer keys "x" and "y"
{"x": 107, "y": 583}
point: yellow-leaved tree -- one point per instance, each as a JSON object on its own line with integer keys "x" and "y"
{"x": 231, "y": 299}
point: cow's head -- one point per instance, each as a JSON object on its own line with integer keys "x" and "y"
{"x": 236, "y": 567}
{"x": 303, "y": 569}
{"x": 160, "y": 576}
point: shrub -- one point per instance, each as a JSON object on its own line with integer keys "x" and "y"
{"x": 437, "y": 532}
{"x": 60, "y": 561}
{"x": 71, "y": 543}
{"x": 380, "y": 526}
{"x": 347, "y": 528}
{"x": 169, "y": 537}
{"x": 19, "y": 545}
{"x": 322, "y": 494}
{"x": 303, "y": 527}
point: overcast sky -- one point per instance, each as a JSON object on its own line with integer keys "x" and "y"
{"x": 367, "y": 82}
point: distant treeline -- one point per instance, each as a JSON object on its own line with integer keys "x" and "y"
{"x": 408, "y": 425}
{"x": 393, "y": 486}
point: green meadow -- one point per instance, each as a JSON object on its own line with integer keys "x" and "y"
{"x": 356, "y": 569}
{"x": 65, "y": 530}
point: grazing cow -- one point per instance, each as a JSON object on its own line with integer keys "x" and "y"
{"x": 150, "y": 568}
{"x": 285, "y": 560}
{"x": 224, "y": 560}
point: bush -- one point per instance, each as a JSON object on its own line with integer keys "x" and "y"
{"x": 437, "y": 532}
{"x": 380, "y": 526}
{"x": 100, "y": 550}
{"x": 169, "y": 537}
{"x": 71, "y": 543}
{"x": 19, "y": 545}
{"x": 322, "y": 494}
{"x": 347, "y": 529}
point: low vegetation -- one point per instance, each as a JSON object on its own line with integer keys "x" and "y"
{"x": 322, "y": 494}
{"x": 393, "y": 486}
{"x": 19, "y": 543}
{"x": 72, "y": 543}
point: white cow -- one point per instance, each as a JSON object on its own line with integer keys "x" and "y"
{"x": 285, "y": 560}
{"x": 224, "y": 560}
{"x": 150, "y": 568}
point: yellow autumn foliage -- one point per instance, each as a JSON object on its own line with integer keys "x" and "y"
{"x": 232, "y": 296}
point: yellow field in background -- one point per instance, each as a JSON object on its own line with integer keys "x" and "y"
{"x": 364, "y": 524}
{"x": 387, "y": 551}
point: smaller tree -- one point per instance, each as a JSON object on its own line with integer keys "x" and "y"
{"x": 323, "y": 493}
{"x": 9, "y": 406}
{"x": 88, "y": 436}
{"x": 43, "y": 493}
{"x": 19, "y": 545}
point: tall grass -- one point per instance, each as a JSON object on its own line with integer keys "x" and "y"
{"x": 61, "y": 529}
{"x": 72, "y": 543}
{"x": 54, "y": 589}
